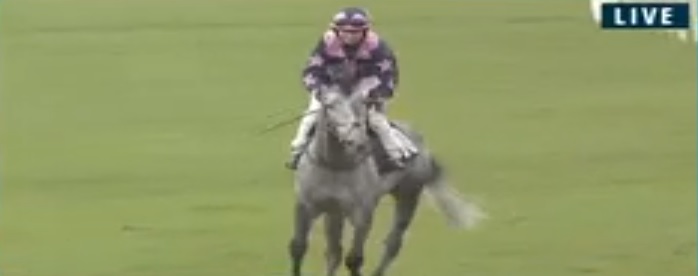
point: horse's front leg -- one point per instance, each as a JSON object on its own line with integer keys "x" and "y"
{"x": 334, "y": 225}
{"x": 298, "y": 246}
{"x": 362, "y": 220}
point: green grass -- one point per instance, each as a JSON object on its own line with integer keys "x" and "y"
{"x": 130, "y": 149}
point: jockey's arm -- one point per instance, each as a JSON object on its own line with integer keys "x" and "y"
{"x": 387, "y": 71}
{"x": 312, "y": 73}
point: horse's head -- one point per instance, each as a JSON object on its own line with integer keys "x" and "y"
{"x": 343, "y": 116}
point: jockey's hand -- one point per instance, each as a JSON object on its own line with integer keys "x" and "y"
{"x": 374, "y": 99}
{"x": 367, "y": 95}
{"x": 376, "y": 94}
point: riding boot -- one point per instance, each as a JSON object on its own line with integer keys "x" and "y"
{"x": 302, "y": 136}
{"x": 393, "y": 146}
{"x": 408, "y": 147}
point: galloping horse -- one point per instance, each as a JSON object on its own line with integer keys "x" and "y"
{"x": 344, "y": 174}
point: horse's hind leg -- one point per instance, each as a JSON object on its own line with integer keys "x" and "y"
{"x": 406, "y": 203}
{"x": 334, "y": 224}
{"x": 362, "y": 221}
{"x": 299, "y": 243}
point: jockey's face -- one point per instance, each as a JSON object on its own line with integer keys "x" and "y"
{"x": 350, "y": 36}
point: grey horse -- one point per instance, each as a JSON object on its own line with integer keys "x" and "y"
{"x": 343, "y": 175}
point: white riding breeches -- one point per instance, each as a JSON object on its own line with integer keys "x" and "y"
{"x": 306, "y": 124}
{"x": 396, "y": 144}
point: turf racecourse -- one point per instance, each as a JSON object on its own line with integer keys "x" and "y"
{"x": 130, "y": 145}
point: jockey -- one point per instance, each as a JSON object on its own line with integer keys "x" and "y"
{"x": 350, "y": 37}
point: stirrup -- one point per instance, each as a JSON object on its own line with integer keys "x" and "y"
{"x": 292, "y": 164}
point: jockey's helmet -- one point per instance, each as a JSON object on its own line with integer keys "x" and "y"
{"x": 351, "y": 24}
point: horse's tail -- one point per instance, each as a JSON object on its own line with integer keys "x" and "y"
{"x": 458, "y": 211}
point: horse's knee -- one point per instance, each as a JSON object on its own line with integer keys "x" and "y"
{"x": 393, "y": 243}
{"x": 334, "y": 248}
{"x": 403, "y": 224}
{"x": 298, "y": 247}
{"x": 354, "y": 261}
